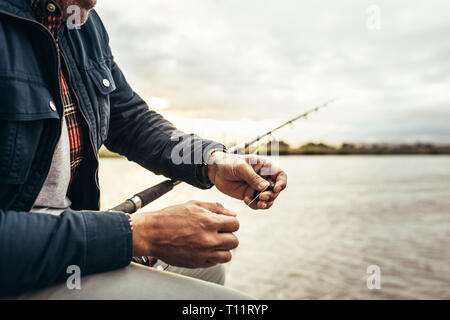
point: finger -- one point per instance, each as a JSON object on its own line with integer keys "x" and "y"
{"x": 248, "y": 174}
{"x": 216, "y": 207}
{"x": 220, "y": 256}
{"x": 248, "y": 195}
{"x": 272, "y": 172}
{"x": 261, "y": 205}
{"x": 255, "y": 196}
{"x": 269, "y": 170}
{"x": 207, "y": 264}
{"x": 281, "y": 182}
{"x": 254, "y": 205}
{"x": 268, "y": 196}
{"x": 256, "y": 163}
{"x": 228, "y": 224}
{"x": 269, "y": 204}
{"x": 228, "y": 241}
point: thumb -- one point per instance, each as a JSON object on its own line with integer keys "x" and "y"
{"x": 249, "y": 175}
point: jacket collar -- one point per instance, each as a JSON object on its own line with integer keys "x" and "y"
{"x": 39, "y": 8}
{"x": 51, "y": 20}
{"x": 20, "y": 8}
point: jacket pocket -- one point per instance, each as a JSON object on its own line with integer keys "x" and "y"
{"x": 103, "y": 84}
{"x": 24, "y": 109}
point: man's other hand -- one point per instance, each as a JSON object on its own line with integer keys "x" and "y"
{"x": 191, "y": 235}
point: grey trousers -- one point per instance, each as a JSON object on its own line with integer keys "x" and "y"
{"x": 137, "y": 282}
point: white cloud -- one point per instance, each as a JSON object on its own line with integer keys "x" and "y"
{"x": 271, "y": 59}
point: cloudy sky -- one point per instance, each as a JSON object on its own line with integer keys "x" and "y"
{"x": 229, "y": 68}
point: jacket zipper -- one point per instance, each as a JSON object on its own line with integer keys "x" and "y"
{"x": 85, "y": 119}
{"x": 58, "y": 56}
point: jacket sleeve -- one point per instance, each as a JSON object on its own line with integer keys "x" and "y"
{"x": 36, "y": 249}
{"x": 145, "y": 137}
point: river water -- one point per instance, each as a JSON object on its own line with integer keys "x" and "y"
{"x": 338, "y": 216}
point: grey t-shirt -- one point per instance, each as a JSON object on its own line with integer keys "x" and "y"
{"x": 52, "y": 198}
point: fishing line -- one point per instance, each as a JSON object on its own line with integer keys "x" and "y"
{"x": 149, "y": 195}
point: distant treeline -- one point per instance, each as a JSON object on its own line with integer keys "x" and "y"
{"x": 343, "y": 149}
{"x": 361, "y": 149}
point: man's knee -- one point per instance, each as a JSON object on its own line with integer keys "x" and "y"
{"x": 214, "y": 274}
{"x": 217, "y": 274}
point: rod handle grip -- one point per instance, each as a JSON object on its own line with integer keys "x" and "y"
{"x": 151, "y": 194}
{"x": 144, "y": 197}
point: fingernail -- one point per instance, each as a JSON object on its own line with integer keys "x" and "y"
{"x": 263, "y": 185}
{"x": 264, "y": 205}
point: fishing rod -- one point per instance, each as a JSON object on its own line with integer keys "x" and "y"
{"x": 149, "y": 195}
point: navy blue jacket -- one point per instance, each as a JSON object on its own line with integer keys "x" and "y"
{"x": 36, "y": 249}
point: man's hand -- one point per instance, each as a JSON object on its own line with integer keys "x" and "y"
{"x": 240, "y": 176}
{"x": 192, "y": 235}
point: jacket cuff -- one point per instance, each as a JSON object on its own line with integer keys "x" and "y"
{"x": 201, "y": 170}
{"x": 109, "y": 241}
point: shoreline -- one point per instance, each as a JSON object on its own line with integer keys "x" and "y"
{"x": 117, "y": 156}
{"x": 346, "y": 149}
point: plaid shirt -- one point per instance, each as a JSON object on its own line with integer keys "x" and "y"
{"x": 49, "y": 13}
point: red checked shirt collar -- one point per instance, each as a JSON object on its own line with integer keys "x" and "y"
{"x": 49, "y": 13}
